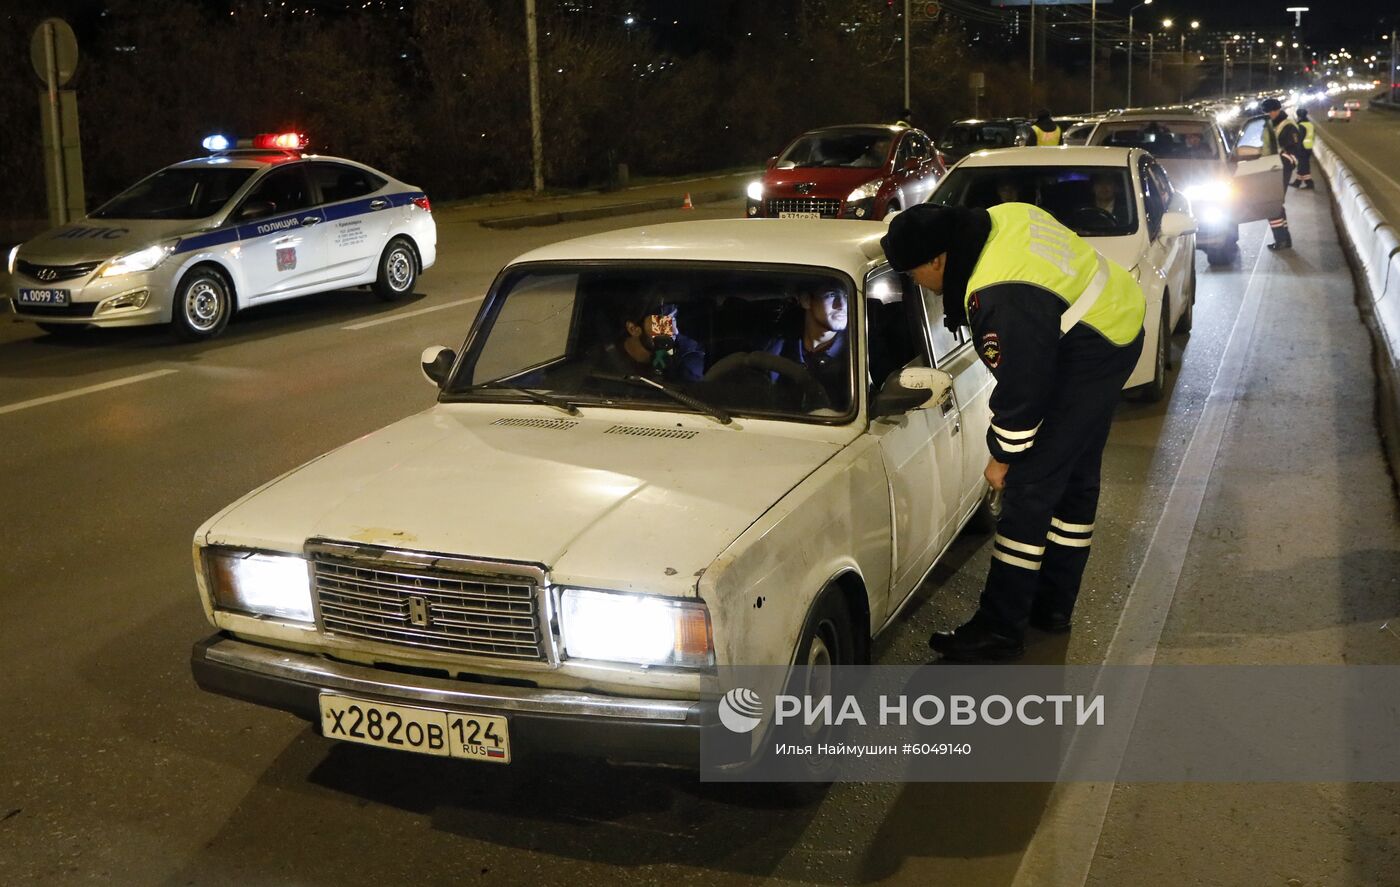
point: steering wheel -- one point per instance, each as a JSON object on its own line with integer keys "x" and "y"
{"x": 772, "y": 364}
{"x": 1094, "y": 217}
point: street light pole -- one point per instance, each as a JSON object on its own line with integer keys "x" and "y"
{"x": 906, "y": 53}
{"x": 1093, "y": 49}
{"x": 1131, "y": 10}
{"x": 536, "y": 139}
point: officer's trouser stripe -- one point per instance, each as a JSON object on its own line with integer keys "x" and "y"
{"x": 1069, "y": 527}
{"x": 1068, "y": 541}
{"x": 1017, "y": 554}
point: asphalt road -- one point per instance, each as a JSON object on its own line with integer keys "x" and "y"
{"x": 1369, "y": 145}
{"x": 116, "y": 769}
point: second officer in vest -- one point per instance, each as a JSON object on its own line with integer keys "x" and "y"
{"x": 1309, "y": 129}
{"x": 1060, "y": 327}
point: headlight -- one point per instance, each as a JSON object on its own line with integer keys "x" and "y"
{"x": 141, "y": 260}
{"x": 868, "y": 190}
{"x": 259, "y": 583}
{"x": 754, "y": 190}
{"x": 10, "y": 262}
{"x": 1210, "y": 192}
{"x": 636, "y": 628}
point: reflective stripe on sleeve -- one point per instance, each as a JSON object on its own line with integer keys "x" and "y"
{"x": 1013, "y": 436}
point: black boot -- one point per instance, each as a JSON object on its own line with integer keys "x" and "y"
{"x": 1282, "y": 240}
{"x": 1050, "y": 621}
{"x": 1297, "y": 183}
{"x": 977, "y": 641}
{"x": 1309, "y": 186}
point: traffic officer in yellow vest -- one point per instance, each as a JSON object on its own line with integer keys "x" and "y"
{"x": 1047, "y": 131}
{"x": 1309, "y": 129}
{"x": 1290, "y": 145}
{"x": 1060, "y": 327}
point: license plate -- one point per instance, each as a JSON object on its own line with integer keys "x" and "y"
{"x": 43, "y": 297}
{"x": 799, "y": 215}
{"x": 447, "y": 734}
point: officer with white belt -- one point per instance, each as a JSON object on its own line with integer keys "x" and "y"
{"x": 1060, "y": 327}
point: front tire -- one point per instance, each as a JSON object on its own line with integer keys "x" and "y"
{"x": 398, "y": 271}
{"x": 203, "y": 305}
{"x": 1153, "y": 391}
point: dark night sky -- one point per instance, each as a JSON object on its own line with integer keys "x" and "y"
{"x": 1330, "y": 22}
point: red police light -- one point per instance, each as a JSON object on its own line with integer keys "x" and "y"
{"x": 286, "y": 141}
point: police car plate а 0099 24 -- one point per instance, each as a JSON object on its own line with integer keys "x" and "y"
{"x": 408, "y": 728}
{"x": 55, "y": 298}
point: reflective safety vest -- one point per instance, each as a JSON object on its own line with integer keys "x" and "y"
{"x": 1027, "y": 246}
{"x": 1044, "y": 138}
{"x": 1308, "y": 132}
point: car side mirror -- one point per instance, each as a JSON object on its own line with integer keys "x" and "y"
{"x": 436, "y": 362}
{"x": 256, "y": 209}
{"x": 1175, "y": 224}
{"x": 1246, "y": 152}
{"x": 909, "y": 389}
{"x": 773, "y": 161}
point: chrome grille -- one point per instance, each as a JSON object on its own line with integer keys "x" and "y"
{"x": 428, "y": 608}
{"x": 56, "y": 272}
{"x": 827, "y": 206}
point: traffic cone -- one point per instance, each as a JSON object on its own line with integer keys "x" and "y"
{"x": 687, "y": 204}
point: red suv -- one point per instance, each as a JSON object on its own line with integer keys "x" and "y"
{"x": 847, "y": 172}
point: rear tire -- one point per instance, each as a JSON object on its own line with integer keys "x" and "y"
{"x": 202, "y": 306}
{"x": 398, "y": 271}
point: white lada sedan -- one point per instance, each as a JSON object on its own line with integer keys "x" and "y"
{"x": 1122, "y": 201}
{"x": 565, "y": 549}
{"x": 192, "y": 244}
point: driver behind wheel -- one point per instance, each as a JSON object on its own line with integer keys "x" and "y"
{"x": 652, "y": 346}
{"x": 1109, "y": 198}
{"x": 821, "y": 346}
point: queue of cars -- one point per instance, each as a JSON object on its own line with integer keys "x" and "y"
{"x": 252, "y": 222}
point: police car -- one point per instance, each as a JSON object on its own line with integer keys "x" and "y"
{"x": 253, "y": 222}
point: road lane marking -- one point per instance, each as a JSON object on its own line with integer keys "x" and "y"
{"x": 407, "y": 314}
{"x": 1062, "y": 849}
{"x": 79, "y": 392}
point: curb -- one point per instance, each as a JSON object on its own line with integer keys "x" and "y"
{"x": 1380, "y": 310}
{"x": 602, "y": 212}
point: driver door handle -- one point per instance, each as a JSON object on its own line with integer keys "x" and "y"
{"x": 310, "y": 220}
{"x": 946, "y": 404}
{"x": 378, "y": 203}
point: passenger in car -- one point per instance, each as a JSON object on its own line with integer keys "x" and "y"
{"x": 821, "y": 346}
{"x": 1108, "y": 198}
{"x": 652, "y": 346}
{"x": 1008, "y": 191}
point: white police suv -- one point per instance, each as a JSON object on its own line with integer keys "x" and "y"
{"x": 254, "y": 222}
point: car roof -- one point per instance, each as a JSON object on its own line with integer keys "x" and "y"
{"x": 980, "y": 121}
{"x": 255, "y": 159}
{"x": 847, "y": 245}
{"x": 858, "y": 127}
{"x": 1174, "y": 115}
{"x": 1077, "y": 155}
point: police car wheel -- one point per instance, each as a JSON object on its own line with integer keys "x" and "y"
{"x": 398, "y": 271}
{"x": 203, "y": 305}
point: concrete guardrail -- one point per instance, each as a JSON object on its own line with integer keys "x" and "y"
{"x": 1373, "y": 245}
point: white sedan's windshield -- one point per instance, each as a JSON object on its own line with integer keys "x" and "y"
{"x": 765, "y": 343}
{"x": 1093, "y": 201}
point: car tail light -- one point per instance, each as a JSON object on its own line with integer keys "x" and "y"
{"x": 423, "y": 203}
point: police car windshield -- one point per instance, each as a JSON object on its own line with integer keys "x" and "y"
{"x": 742, "y": 342}
{"x": 177, "y": 193}
{"x": 1093, "y": 201}
{"x": 855, "y": 150}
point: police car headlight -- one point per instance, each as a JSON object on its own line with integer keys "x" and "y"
{"x": 141, "y": 260}
{"x": 866, "y": 191}
{"x": 638, "y": 629}
{"x": 1210, "y": 192}
{"x": 10, "y": 262}
{"x": 259, "y": 583}
{"x": 754, "y": 191}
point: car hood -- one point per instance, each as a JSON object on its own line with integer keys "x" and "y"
{"x": 828, "y": 181}
{"x": 96, "y": 239}
{"x": 1126, "y": 251}
{"x": 1192, "y": 172}
{"x": 645, "y": 506}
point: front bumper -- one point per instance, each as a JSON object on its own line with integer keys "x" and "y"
{"x": 87, "y": 296}
{"x": 665, "y": 731}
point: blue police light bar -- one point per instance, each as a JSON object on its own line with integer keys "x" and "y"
{"x": 216, "y": 143}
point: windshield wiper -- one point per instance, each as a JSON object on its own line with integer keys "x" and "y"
{"x": 548, "y": 400}
{"x": 672, "y": 392}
